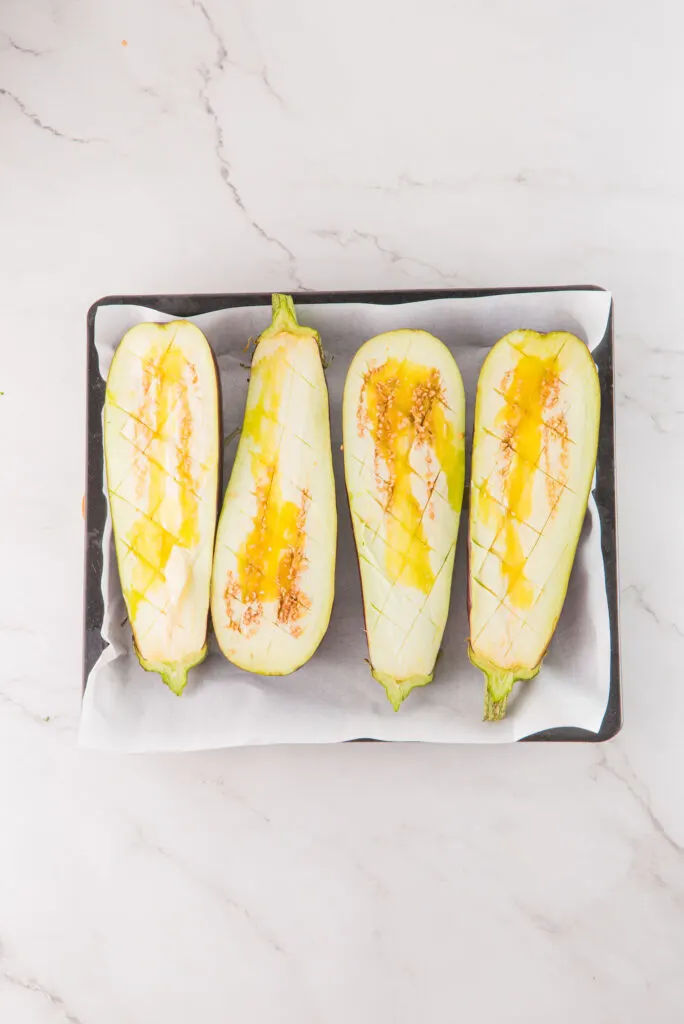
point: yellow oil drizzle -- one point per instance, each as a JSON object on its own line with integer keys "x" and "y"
{"x": 167, "y": 375}
{"x": 528, "y": 389}
{"x": 272, "y": 556}
{"x": 402, "y": 405}
{"x": 488, "y": 509}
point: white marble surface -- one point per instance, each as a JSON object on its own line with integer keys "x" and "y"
{"x": 258, "y": 145}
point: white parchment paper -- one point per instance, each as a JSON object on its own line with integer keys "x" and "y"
{"x": 333, "y": 697}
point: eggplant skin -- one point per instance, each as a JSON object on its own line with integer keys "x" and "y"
{"x": 403, "y": 428}
{"x": 534, "y": 453}
{"x": 273, "y": 578}
{"x": 161, "y": 442}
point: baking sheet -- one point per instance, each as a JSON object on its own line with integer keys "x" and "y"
{"x": 333, "y": 698}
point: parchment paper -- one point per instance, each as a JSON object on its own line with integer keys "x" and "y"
{"x": 333, "y": 697}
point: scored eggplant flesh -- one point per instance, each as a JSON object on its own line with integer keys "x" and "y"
{"x": 403, "y": 425}
{"x": 161, "y": 442}
{"x": 274, "y": 563}
{"x": 534, "y": 452}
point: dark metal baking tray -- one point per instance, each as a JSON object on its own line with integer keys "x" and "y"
{"x": 193, "y": 305}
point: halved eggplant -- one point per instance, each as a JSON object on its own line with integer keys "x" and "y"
{"x": 404, "y": 423}
{"x": 534, "y": 452}
{"x": 274, "y": 565}
{"x": 161, "y": 442}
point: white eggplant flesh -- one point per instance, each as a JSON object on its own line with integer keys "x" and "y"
{"x": 534, "y": 453}
{"x": 403, "y": 426}
{"x": 274, "y": 564}
{"x": 161, "y": 442}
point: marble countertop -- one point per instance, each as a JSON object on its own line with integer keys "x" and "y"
{"x": 205, "y": 146}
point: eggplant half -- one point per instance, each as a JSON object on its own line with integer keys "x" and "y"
{"x": 274, "y": 564}
{"x": 534, "y": 452}
{"x": 161, "y": 444}
{"x": 403, "y": 425}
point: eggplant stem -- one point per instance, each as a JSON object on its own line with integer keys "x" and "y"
{"x": 285, "y": 322}
{"x": 494, "y": 710}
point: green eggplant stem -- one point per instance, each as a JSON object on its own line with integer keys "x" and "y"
{"x": 285, "y": 321}
{"x": 494, "y": 710}
{"x": 174, "y": 674}
{"x": 397, "y": 690}
{"x": 498, "y": 684}
{"x": 284, "y": 316}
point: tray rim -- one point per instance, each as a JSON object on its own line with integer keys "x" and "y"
{"x": 194, "y": 303}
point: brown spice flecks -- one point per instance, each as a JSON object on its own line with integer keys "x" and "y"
{"x": 252, "y": 616}
{"x": 230, "y": 594}
{"x": 165, "y": 388}
{"x": 425, "y": 395}
{"x": 506, "y": 447}
{"x": 389, "y": 423}
{"x": 531, "y": 391}
{"x": 553, "y": 429}
{"x": 550, "y": 389}
{"x": 292, "y": 602}
{"x": 248, "y": 622}
{"x": 557, "y": 430}
{"x": 402, "y": 406}
{"x": 559, "y": 426}
{"x": 363, "y": 422}
{"x": 556, "y": 434}
{"x": 554, "y": 489}
{"x": 270, "y": 558}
